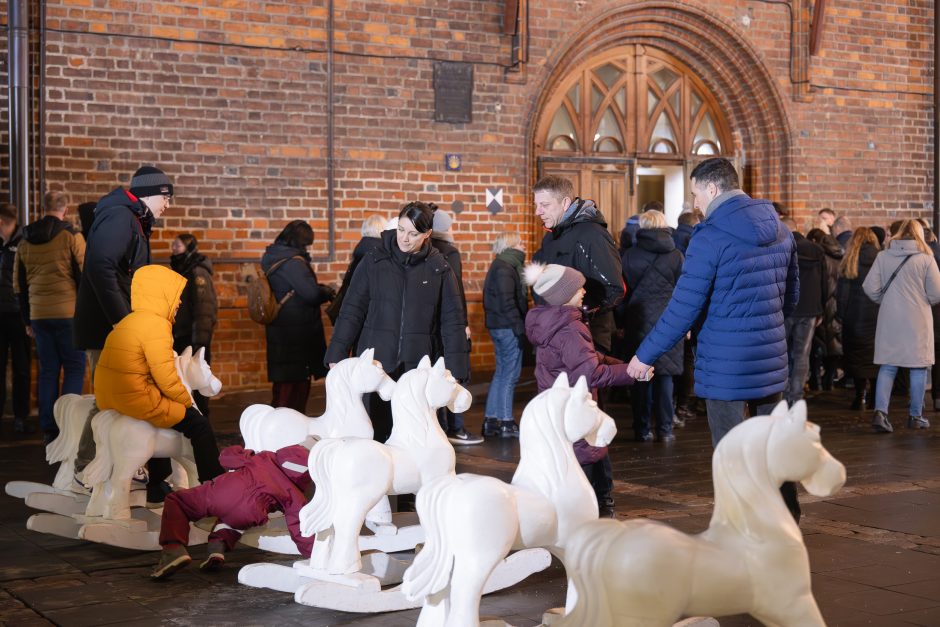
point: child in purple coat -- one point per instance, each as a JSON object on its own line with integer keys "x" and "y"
{"x": 563, "y": 344}
{"x": 261, "y": 483}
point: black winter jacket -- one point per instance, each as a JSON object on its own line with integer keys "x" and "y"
{"x": 9, "y": 303}
{"x": 504, "y": 303}
{"x": 117, "y": 244}
{"x": 199, "y": 306}
{"x": 830, "y": 331}
{"x": 651, "y": 269}
{"x": 859, "y": 317}
{"x": 582, "y": 242}
{"x": 405, "y": 306}
{"x": 364, "y": 246}
{"x": 814, "y": 279}
{"x": 681, "y": 237}
{"x": 295, "y": 338}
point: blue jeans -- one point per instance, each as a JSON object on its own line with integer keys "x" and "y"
{"x": 799, "y": 341}
{"x": 723, "y": 416}
{"x": 885, "y": 382}
{"x": 508, "y": 349}
{"x": 652, "y": 399}
{"x": 57, "y": 353}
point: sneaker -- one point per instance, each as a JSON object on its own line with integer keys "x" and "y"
{"x": 917, "y": 422}
{"x": 491, "y": 427}
{"x": 685, "y": 413}
{"x": 462, "y": 437}
{"x": 605, "y": 508}
{"x": 173, "y": 557}
{"x": 508, "y": 429}
{"x": 666, "y": 439}
{"x": 678, "y": 421}
{"x": 879, "y": 422}
{"x": 643, "y": 437}
{"x": 216, "y": 556}
{"x": 78, "y": 487}
{"x": 140, "y": 479}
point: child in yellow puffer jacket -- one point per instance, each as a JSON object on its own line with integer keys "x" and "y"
{"x": 136, "y": 374}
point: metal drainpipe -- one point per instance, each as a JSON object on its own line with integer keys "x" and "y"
{"x": 41, "y": 166}
{"x": 18, "y": 98}
{"x": 330, "y": 193}
{"x": 936, "y": 119}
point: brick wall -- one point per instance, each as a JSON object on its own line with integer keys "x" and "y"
{"x": 229, "y": 97}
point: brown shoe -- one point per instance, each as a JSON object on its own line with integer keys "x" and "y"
{"x": 172, "y": 558}
{"x": 216, "y": 557}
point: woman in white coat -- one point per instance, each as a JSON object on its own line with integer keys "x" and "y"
{"x": 905, "y": 281}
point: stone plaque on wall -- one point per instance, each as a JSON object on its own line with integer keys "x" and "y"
{"x": 453, "y": 92}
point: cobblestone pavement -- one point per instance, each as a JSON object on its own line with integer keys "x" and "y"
{"x": 874, "y": 547}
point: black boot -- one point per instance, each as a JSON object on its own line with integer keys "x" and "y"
{"x": 861, "y": 395}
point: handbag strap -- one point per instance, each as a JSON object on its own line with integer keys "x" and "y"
{"x": 274, "y": 267}
{"x": 891, "y": 278}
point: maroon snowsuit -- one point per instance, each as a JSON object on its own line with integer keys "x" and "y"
{"x": 563, "y": 344}
{"x": 262, "y": 483}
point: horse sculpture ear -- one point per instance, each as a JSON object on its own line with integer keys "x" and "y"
{"x": 581, "y": 387}
{"x": 439, "y": 365}
{"x": 187, "y": 353}
{"x": 425, "y": 362}
{"x": 200, "y": 354}
{"x": 798, "y": 412}
{"x": 561, "y": 382}
{"x": 781, "y": 410}
{"x": 368, "y": 354}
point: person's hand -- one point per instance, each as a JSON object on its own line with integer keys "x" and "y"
{"x": 638, "y": 370}
{"x": 29, "y": 331}
{"x": 467, "y": 330}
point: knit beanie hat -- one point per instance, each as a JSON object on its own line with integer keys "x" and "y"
{"x": 556, "y": 284}
{"x": 441, "y": 225}
{"x": 150, "y": 181}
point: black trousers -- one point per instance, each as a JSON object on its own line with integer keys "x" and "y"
{"x": 14, "y": 345}
{"x": 197, "y": 428}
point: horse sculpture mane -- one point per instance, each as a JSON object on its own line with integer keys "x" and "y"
{"x": 746, "y": 497}
{"x": 410, "y": 425}
{"x": 540, "y": 438}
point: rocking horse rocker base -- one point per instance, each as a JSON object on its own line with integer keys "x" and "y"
{"x": 22, "y": 489}
{"x": 363, "y": 591}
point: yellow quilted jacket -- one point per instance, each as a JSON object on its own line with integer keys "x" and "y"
{"x": 136, "y": 374}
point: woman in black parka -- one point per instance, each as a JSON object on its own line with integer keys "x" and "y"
{"x": 198, "y": 312}
{"x": 858, "y": 314}
{"x": 829, "y": 333}
{"x": 295, "y": 339}
{"x": 404, "y": 302}
{"x": 651, "y": 269}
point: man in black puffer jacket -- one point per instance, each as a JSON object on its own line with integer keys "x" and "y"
{"x": 578, "y": 238}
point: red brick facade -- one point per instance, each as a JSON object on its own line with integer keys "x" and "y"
{"x": 229, "y": 98}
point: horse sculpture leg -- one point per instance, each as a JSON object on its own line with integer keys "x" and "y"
{"x": 803, "y": 612}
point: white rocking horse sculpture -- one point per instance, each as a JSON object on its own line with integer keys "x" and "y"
{"x": 266, "y": 428}
{"x": 353, "y": 474}
{"x": 123, "y": 444}
{"x": 471, "y": 522}
{"x": 751, "y": 559}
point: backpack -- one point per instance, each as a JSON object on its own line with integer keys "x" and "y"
{"x": 263, "y": 307}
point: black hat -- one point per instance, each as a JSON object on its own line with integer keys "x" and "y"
{"x": 150, "y": 181}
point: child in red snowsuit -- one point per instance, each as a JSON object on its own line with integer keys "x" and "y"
{"x": 261, "y": 483}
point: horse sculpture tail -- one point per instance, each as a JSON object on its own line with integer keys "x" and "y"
{"x": 585, "y": 555}
{"x": 317, "y": 515}
{"x": 430, "y": 572}
{"x": 65, "y": 446}
{"x": 99, "y": 470}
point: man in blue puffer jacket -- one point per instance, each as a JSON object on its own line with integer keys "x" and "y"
{"x": 739, "y": 281}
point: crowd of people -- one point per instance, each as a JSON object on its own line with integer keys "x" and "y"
{"x": 735, "y": 308}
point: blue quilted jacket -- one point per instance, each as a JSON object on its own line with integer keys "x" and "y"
{"x": 739, "y": 280}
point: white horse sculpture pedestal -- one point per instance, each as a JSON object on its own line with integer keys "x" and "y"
{"x": 751, "y": 559}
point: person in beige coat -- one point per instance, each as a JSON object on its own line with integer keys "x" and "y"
{"x": 905, "y": 281}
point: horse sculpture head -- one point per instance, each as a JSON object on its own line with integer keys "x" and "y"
{"x": 365, "y": 374}
{"x": 195, "y": 372}
{"x": 583, "y": 418}
{"x": 442, "y": 389}
{"x": 795, "y": 452}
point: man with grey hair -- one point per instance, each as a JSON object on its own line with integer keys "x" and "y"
{"x": 842, "y": 231}
{"x": 118, "y": 243}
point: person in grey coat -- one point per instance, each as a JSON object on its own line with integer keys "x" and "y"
{"x": 905, "y": 281}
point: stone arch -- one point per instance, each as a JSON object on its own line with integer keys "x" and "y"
{"x": 727, "y": 63}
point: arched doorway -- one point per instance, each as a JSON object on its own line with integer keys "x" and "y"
{"x": 626, "y": 126}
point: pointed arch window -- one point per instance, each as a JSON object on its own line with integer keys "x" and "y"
{"x": 635, "y": 101}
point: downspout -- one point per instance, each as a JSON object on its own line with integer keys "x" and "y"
{"x": 41, "y": 166}
{"x": 330, "y": 193}
{"x": 936, "y": 118}
{"x": 18, "y": 98}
